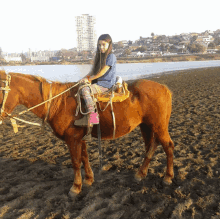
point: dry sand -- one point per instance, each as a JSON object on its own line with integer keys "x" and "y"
{"x": 36, "y": 172}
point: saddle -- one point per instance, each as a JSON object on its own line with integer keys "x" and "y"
{"x": 118, "y": 93}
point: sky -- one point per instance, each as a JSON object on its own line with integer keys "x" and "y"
{"x": 50, "y": 24}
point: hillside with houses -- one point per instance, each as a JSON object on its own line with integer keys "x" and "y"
{"x": 161, "y": 45}
{"x": 207, "y": 42}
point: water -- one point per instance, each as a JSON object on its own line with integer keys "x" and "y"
{"x": 128, "y": 71}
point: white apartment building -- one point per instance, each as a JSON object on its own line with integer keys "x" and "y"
{"x": 14, "y": 59}
{"x": 86, "y": 36}
{"x": 40, "y": 59}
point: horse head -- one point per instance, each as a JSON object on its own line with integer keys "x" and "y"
{"x": 12, "y": 91}
{"x": 2, "y": 84}
{"x": 4, "y": 88}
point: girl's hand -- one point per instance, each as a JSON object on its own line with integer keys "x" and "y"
{"x": 84, "y": 80}
{"x": 89, "y": 79}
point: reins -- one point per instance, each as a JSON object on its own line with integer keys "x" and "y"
{"x": 77, "y": 95}
{"x": 79, "y": 105}
{"x": 6, "y": 90}
{"x": 79, "y": 109}
{"x": 47, "y": 100}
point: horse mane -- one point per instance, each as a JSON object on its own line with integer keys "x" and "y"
{"x": 57, "y": 88}
{"x": 45, "y": 89}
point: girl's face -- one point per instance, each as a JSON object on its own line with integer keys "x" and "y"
{"x": 103, "y": 46}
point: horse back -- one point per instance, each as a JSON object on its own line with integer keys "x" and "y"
{"x": 150, "y": 88}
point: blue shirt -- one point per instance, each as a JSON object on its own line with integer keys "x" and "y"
{"x": 109, "y": 78}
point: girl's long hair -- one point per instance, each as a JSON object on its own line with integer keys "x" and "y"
{"x": 100, "y": 58}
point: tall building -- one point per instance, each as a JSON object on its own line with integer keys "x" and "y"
{"x": 86, "y": 36}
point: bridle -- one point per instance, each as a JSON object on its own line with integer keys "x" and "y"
{"x": 5, "y": 90}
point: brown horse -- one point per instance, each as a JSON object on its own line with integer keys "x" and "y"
{"x": 148, "y": 106}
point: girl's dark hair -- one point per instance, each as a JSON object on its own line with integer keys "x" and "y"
{"x": 100, "y": 58}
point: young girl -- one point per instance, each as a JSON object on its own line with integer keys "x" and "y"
{"x": 104, "y": 74}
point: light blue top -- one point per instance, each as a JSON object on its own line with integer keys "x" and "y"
{"x": 109, "y": 78}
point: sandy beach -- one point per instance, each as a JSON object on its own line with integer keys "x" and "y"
{"x": 36, "y": 172}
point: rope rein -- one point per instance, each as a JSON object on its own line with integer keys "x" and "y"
{"x": 46, "y": 100}
{"x": 6, "y": 90}
{"x": 79, "y": 104}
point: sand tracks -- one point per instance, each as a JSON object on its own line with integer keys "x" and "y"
{"x": 36, "y": 172}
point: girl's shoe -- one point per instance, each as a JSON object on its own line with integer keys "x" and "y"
{"x": 93, "y": 118}
{"x": 88, "y": 120}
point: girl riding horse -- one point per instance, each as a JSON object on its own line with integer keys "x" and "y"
{"x": 103, "y": 73}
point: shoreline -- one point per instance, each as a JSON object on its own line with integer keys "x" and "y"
{"x": 170, "y": 73}
{"x": 177, "y": 58}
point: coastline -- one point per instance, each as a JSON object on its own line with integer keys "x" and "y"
{"x": 176, "y": 58}
{"x": 170, "y": 74}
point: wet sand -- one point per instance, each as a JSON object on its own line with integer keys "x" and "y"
{"x": 36, "y": 172}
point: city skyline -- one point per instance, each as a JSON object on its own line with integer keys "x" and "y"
{"x": 49, "y": 25}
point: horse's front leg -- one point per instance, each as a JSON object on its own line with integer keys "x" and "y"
{"x": 89, "y": 176}
{"x": 73, "y": 138}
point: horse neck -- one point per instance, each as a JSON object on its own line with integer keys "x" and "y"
{"x": 28, "y": 93}
{"x": 31, "y": 92}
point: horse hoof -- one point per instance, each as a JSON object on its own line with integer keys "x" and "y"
{"x": 72, "y": 195}
{"x": 167, "y": 181}
{"x": 74, "y": 191}
{"x": 87, "y": 182}
{"x": 106, "y": 167}
{"x": 137, "y": 177}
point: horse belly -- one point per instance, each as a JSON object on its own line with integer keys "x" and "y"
{"x": 127, "y": 123}
{"x": 124, "y": 123}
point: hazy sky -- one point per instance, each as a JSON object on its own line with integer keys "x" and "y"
{"x": 50, "y": 24}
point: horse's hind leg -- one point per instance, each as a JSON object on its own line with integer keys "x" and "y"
{"x": 89, "y": 176}
{"x": 150, "y": 146}
{"x": 168, "y": 147}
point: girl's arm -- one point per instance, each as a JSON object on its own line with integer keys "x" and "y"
{"x": 100, "y": 73}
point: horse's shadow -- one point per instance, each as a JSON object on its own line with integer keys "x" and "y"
{"x": 32, "y": 184}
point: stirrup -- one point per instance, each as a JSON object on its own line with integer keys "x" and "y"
{"x": 82, "y": 122}
{"x": 88, "y": 120}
